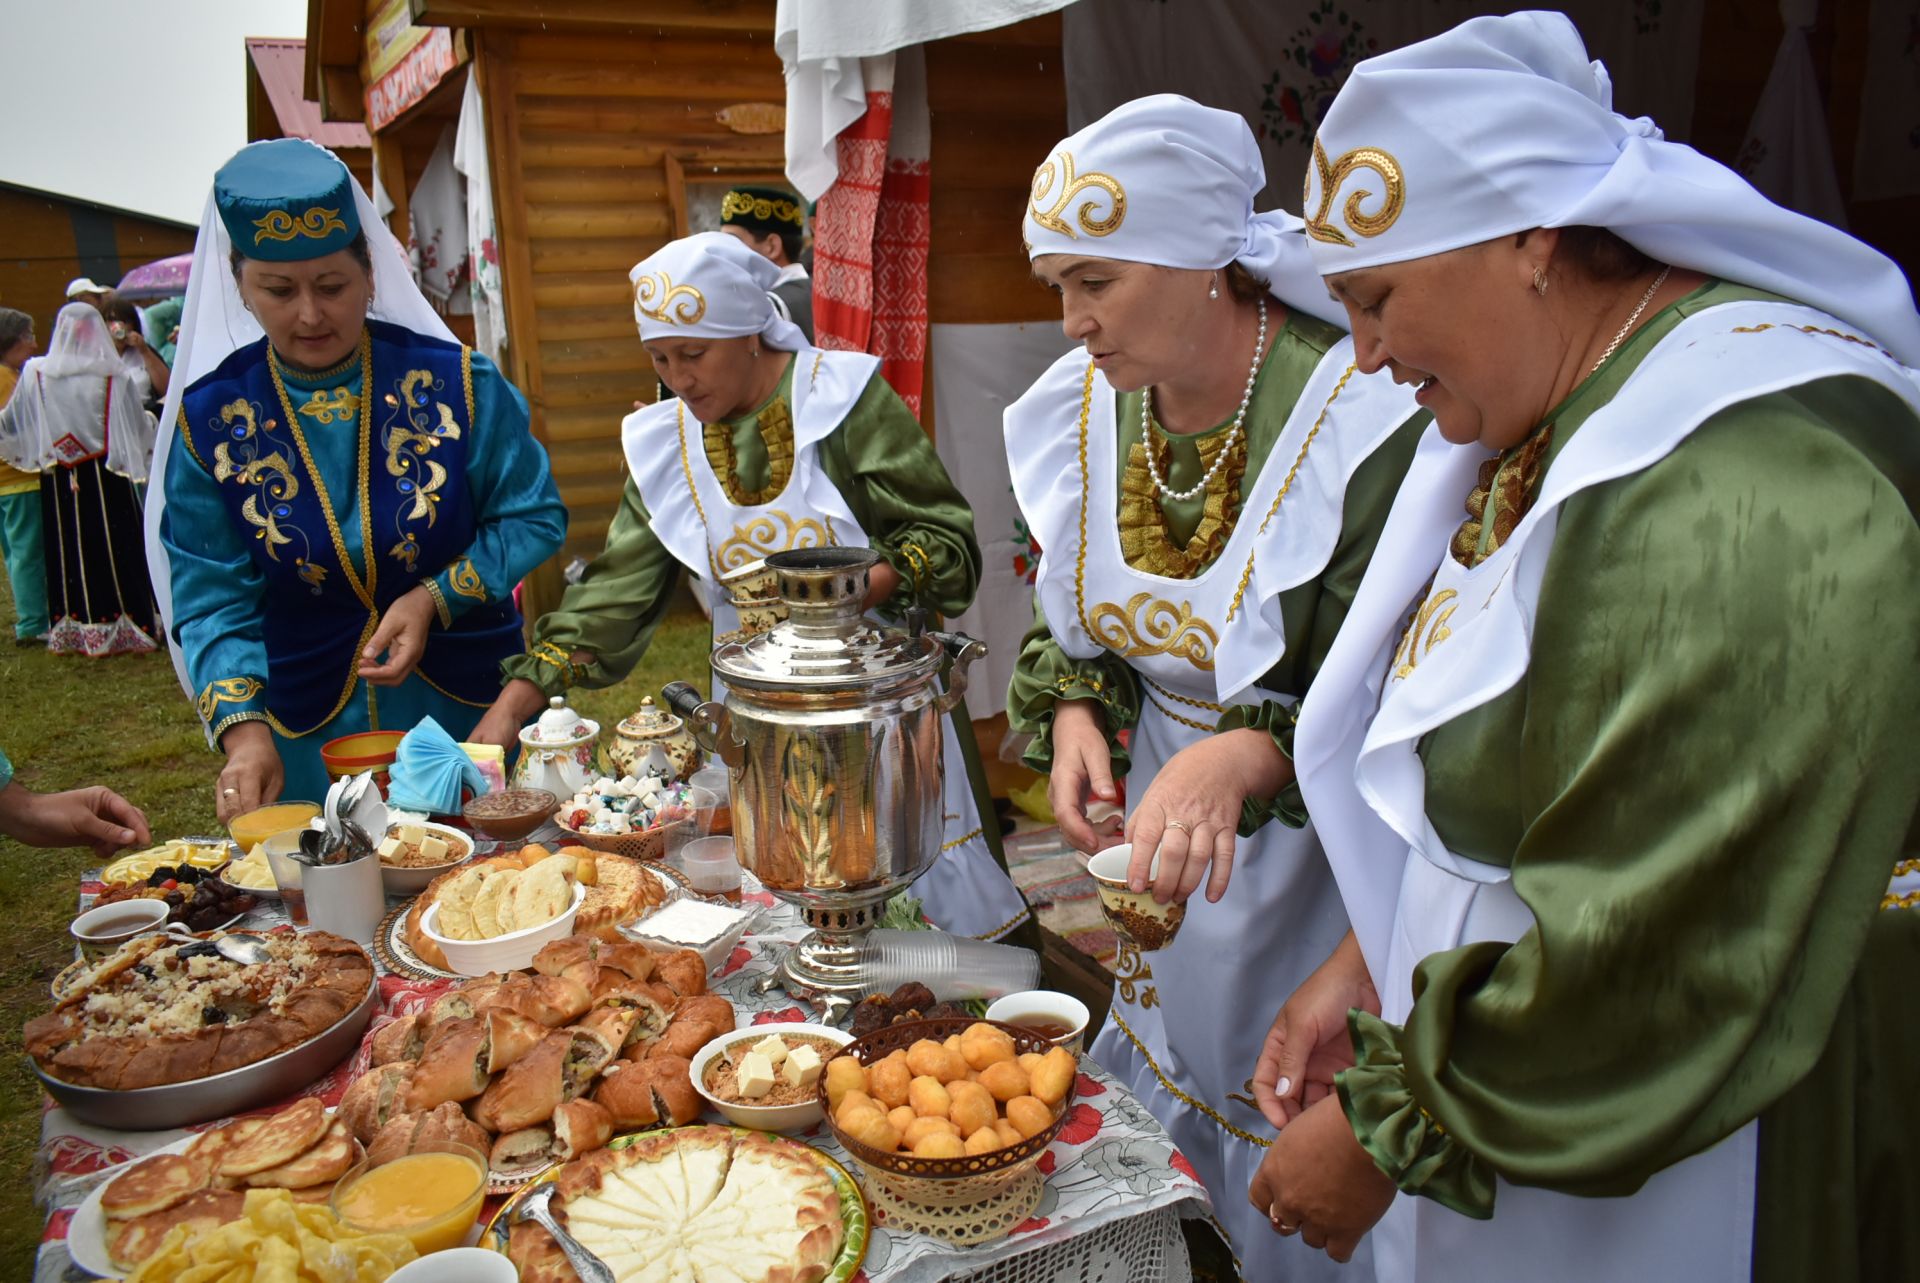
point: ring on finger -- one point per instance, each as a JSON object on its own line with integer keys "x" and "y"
{"x": 1179, "y": 824}
{"x": 229, "y": 792}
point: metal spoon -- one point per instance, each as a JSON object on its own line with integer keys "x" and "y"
{"x": 313, "y": 846}
{"x": 242, "y": 947}
{"x": 533, "y": 1207}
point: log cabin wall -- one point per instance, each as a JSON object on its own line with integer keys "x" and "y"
{"x": 592, "y": 136}
{"x": 997, "y": 101}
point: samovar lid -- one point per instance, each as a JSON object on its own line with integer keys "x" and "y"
{"x": 826, "y": 641}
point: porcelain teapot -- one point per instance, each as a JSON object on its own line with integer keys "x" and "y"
{"x": 653, "y": 727}
{"x": 556, "y": 752}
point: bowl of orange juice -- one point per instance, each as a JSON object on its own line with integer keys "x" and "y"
{"x": 261, "y": 823}
{"x": 431, "y": 1196}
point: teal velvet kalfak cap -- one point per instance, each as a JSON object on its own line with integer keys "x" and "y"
{"x": 286, "y": 200}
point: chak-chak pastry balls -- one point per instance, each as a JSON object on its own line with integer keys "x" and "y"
{"x": 940, "y": 1145}
{"x": 972, "y": 1109}
{"x": 887, "y": 1082}
{"x": 870, "y": 1127}
{"x": 935, "y": 1061}
{"x": 844, "y": 1074}
{"x": 921, "y": 1128}
{"x": 967, "y": 1096}
{"x": 982, "y": 1045}
{"x": 1029, "y": 1115}
{"x": 1005, "y": 1080}
{"x": 928, "y": 1098}
{"x": 984, "y": 1141}
{"x": 1052, "y": 1079}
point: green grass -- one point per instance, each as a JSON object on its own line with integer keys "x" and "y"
{"x": 123, "y": 722}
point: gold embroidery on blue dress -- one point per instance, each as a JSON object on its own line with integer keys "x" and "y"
{"x": 238, "y": 459}
{"x": 325, "y": 407}
{"x": 313, "y": 576}
{"x": 226, "y": 690}
{"x": 416, "y": 424}
{"x": 1147, "y": 625}
{"x": 1427, "y": 629}
{"x": 466, "y": 580}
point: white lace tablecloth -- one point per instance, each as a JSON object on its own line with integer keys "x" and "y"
{"x": 1116, "y": 1188}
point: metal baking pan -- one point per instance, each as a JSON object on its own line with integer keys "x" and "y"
{"x": 145, "y": 1109}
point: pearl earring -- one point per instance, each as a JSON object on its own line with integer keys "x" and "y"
{"x": 1213, "y": 289}
{"x": 1539, "y": 283}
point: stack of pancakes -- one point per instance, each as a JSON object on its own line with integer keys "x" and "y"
{"x": 300, "y": 1149}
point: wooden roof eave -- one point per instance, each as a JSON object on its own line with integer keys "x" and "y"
{"x": 598, "y": 16}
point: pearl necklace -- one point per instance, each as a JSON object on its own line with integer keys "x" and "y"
{"x": 1619, "y": 338}
{"x": 1233, "y": 433}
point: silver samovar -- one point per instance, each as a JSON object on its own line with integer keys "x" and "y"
{"x": 831, "y": 735}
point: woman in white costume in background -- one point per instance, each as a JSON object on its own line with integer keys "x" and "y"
{"x": 1613, "y": 756}
{"x": 76, "y": 419}
{"x": 1206, "y": 477}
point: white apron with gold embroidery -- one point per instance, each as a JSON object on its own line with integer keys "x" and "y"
{"x": 1188, "y": 1021}
{"x": 1467, "y": 642}
{"x": 691, "y": 514}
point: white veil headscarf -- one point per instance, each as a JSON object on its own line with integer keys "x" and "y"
{"x": 1164, "y": 180}
{"x": 67, "y": 394}
{"x": 710, "y": 285}
{"x": 1504, "y": 124}
{"x": 214, "y": 324}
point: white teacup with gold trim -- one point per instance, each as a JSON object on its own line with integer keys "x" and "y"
{"x": 1135, "y": 916}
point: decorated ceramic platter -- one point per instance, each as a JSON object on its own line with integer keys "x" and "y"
{"x": 852, "y": 1204}
{"x": 390, "y": 945}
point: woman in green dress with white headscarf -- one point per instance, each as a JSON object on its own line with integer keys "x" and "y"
{"x": 1613, "y": 757}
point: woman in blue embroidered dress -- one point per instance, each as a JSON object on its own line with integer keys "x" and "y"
{"x": 347, "y": 502}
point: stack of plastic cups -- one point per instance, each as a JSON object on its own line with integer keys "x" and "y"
{"x": 955, "y": 968}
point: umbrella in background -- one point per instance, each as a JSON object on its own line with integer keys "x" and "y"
{"x": 164, "y": 278}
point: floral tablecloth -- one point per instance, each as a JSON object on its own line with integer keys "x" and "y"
{"x": 1111, "y": 1162}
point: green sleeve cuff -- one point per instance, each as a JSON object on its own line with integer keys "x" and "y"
{"x": 6, "y": 770}
{"x": 547, "y": 665}
{"x": 456, "y": 590}
{"x": 1278, "y": 720}
{"x": 1403, "y": 1139}
{"x": 1119, "y": 705}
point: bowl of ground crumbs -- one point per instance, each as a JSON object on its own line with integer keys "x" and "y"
{"x": 765, "y": 1076}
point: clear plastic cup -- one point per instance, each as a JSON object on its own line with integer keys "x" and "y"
{"x": 955, "y": 968}
{"x": 718, "y": 781}
{"x": 711, "y": 866}
{"x": 706, "y": 806}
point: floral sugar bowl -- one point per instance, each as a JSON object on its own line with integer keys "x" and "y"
{"x": 556, "y": 752}
{"x": 653, "y": 727}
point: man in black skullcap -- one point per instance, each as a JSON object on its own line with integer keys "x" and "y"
{"x": 774, "y": 222}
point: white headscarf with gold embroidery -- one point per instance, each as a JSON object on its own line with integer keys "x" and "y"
{"x": 710, "y": 286}
{"x": 1504, "y": 124}
{"x": 1164, "y": 180}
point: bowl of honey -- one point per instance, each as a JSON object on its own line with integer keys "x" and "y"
{"x": 431, "y": 1196}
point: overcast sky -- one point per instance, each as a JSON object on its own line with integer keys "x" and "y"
{"x": 129, "y": 102}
